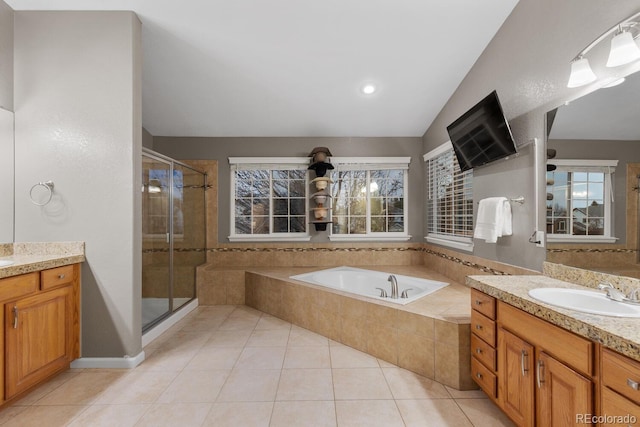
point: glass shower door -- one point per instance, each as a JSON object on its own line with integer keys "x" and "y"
{"x": 156, "y": 260}
{"x": 188, "y": 231}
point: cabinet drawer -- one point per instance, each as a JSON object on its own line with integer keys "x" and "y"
{"x": 483, "y": 352}
{"x": 621, "y": 374}
{"x": 483, "y": 377}
{"x": 572, "y": 350}
{"x": 56, "y": 277}
{"x": 483, "y": 303}
{"x": 614, "y": 405}
{"x": 483, "y": 327}
{"x": 18, "y": 286}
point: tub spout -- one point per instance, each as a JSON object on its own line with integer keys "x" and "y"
{"x": 394, "y": 286}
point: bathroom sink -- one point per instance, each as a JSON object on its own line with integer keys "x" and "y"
{"x": 586, "y": 301}
{"x": 5, "y": 262}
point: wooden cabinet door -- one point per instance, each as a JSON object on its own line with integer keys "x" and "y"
{"x": 516, "y": 378}
{"x": 38, "y": 334}
{"x": 562, "y": 394}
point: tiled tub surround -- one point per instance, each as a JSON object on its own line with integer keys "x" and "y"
{"x": 430, "y": 336}
{"x": 619, "y": 334}
{"x": 35, "y": 256}
{"x": 221, "y": 281}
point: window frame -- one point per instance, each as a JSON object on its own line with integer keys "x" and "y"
{"x": 459, "y": 242}
{"x": 589, "y": 165}
{"x": 270, "y": 164}
{"x": 369, "y": 164}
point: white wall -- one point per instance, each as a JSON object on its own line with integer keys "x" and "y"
{"x": 6, "y": 176}
{"x": 527, "y": 62}
{"x": 6, "y": 56}
{"x": 78, "y": 123}
{"x": 6, "y": 123}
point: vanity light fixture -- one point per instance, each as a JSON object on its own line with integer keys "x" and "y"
{"x": 581, "y": 73}
{"x": 624, "y": 50}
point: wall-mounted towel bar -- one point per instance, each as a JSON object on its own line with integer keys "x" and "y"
{"x": 516, "y": 200}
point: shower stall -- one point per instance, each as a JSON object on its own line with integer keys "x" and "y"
{"x": 173, "y": 235}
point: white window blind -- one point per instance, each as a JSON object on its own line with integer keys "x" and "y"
{"x": 449, "y": 198}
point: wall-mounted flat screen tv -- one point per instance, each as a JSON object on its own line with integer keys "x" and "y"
{"x": 482, "y": 134}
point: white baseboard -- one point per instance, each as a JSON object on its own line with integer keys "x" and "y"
{"x": 126, "y": 362}
{"x": 164, "y": 326}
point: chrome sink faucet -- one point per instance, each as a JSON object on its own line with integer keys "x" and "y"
{"x": 612, "y": 292}
{"x": 394, "y": 286}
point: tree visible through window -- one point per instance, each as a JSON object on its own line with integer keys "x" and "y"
{"x": 368, "y": 201}
{"x": 268, "y": 202}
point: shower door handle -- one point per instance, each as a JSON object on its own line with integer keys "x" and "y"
{"x": 167, "y": 237}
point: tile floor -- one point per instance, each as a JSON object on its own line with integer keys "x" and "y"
{"x": 235, "y": 366}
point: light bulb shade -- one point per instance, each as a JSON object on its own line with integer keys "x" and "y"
{"x": 581, "y": 73}
{"x": 623, "y": 50}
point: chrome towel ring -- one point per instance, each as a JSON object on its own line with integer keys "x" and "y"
{"x": 48, "y": 185}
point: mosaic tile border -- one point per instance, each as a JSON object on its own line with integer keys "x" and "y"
{"x": 592, "y": 250}
{"x": 166, "y": 250}
{"x": 311, "y": 249}
{"x": 476, "y": 266}
{"x": 457, "y": 260}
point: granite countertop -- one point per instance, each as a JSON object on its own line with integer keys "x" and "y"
{"x": 617, "y": 333}
{"x": 29, "y": 257}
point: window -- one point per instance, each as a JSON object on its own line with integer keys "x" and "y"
{"x": 269, "y": 199}
{"x": 369, "y": 198}
{"x": 579, "y": 201}
{"x": 449, "y": 200}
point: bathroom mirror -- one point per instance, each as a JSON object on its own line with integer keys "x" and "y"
{"x": 6, "y": 176}
{"x": 592, "y": 202}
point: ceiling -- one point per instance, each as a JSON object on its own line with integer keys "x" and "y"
{"x": 607, "y": 114}
{"x": 296, "y": 67}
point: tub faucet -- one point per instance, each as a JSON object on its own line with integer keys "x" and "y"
{"x": 394, "y": 286}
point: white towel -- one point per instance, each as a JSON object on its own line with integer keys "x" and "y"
{"x": 494, "y": 219}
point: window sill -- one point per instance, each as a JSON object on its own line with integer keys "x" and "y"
{"x": 368, "y": 238}
{"x": 255, "y": 238}
{"x": 580, "y": 239}
{"x": 463, "y": 245}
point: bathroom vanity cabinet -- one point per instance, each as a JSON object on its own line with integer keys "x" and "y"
{"x": 41, "y": 326}
{"x": 536, "y": 372}
{"x": 620, "y": 389}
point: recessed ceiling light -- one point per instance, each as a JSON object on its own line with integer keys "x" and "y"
{"x": 368, "y": 89}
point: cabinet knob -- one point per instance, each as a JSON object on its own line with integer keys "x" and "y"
{"x": 478, "y": 351}
{"x": 633, "y": 384}
{"x": 479, "y": 327}
{"x": 478, "y": 302}
{"x": 479, "y": 375}
{"x": 60, "y": 276}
